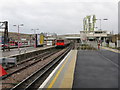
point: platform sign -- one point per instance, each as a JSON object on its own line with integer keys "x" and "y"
{"x": 41, "y": 38}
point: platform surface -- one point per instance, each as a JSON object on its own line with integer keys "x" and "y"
{"x": 93, "y": 70}
{"x": 85, "y": 69}
{"x": 62, "y": 76}
{"x": 14, "y": 52}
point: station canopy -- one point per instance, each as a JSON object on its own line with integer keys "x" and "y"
{"x": 72, "y": 37}
{"x": 50, "y": 38}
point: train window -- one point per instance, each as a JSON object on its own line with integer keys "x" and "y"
{"x": 60, "y": 40}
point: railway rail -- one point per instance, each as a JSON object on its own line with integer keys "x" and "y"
{"x": 29, "y": 62}
{"x": 29, "y": 59}
{"x": 32, "y": 81}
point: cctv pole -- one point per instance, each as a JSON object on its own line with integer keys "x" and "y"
{"x": 35, "y": 37}
{"x": 100, "y": 25}
{"x": 18, "y": 26}
{"x": 18, "y": 38}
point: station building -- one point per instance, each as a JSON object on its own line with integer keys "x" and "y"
{"x": 87, "y": 35}
{"x": 72, "y": 37}
{"x": 95, "y": 35}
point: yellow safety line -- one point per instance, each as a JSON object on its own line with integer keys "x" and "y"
{"x": 69, "y": 74}
{"x": 53, "y": 81}
{"x": 111, "y": 50}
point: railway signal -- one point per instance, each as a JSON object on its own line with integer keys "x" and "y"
{"x": 4, "y": 26}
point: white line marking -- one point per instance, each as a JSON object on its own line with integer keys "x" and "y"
{"x": 109, "y": 60}
{"x": 53, "y": 72}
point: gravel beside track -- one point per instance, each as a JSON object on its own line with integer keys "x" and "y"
{"x": 29, "y": 62}
{"x": 16, "y": 78}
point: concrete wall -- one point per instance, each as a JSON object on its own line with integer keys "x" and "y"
{"x": 24, "y": 56}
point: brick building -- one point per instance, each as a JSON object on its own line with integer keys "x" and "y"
{"x": 26, "y": 39}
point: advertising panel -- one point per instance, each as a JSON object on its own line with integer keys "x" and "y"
{"x": 40, "y": 39}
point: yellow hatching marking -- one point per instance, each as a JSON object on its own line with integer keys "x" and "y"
{"x": 53, "y": 81}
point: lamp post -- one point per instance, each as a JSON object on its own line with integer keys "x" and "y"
{"x": 100, "y": 27}
{"x": 34, "y": 36}
{"x": 18, "y": 26}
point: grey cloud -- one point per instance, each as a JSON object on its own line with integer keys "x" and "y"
{"x": 64, "y": 17}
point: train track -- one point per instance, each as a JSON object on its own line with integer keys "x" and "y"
{"x": 29, "y": 62}
{"x": 30, "y": 59}
{"x": 32, "y": 81}
{"x": 38, "y": 56}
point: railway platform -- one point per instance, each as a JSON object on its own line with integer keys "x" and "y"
{"x": 63, "y": 74}
{"x": 81, "y": 69}
{"x": 22, "y": 54}
{"x": 95, "y": 69}
{"x": 85, "y": 69}
{"x": 110, "y": 49}
{"x": 15, "y": 52}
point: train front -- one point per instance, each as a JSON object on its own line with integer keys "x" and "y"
{"x": 60, "y": 43}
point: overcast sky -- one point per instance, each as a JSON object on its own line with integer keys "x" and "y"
{"x": 58, "y": 16}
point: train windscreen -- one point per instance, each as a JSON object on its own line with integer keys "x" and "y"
{"x": 60, "y": 41}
